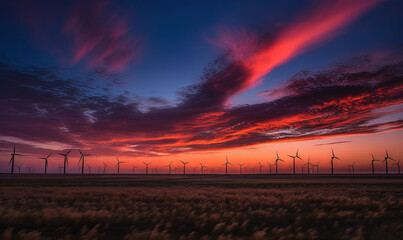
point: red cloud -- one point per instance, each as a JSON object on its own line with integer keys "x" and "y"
{"x": 101, "y": 38}
{"x": 308, "y": 30}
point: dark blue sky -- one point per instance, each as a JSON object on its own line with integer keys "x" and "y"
{"x": 174, "y": 39}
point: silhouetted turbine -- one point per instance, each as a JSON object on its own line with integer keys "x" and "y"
{"x": 331, "y": 161}
{"x": 89, "y": 169}
{"x": 118, "y": 164}
{"x": 240, "y": 167}
{"x": 82, "y": 160}
{"x": 372, "y": 163}
{"x": 226, "y": 165}
{"x": 270, "y": 165}
{"x": 386, "y": 161}
{"x": 60, "y": 168}
{"x": 352, "y": 167}
{"x": 46, "y": 162}
{"x": 169, "y": 167}
{"x": 134, "y": 167}
{"x": 278, "y": 159}
{"x": 293, "y": 160}
{"x": 184, "y": 166}
{"x": 260, "y": 168}
{"x": 147, "y": 166}
{"x": 105, "y": 166}
{"x": 317, "y": 168}
{"x": 202, "y": 168}
{"x": 12, "y": 160}
{"x": 19, "y": 168}
{"x": 398, "y": 166}
{"x": 309, "y": 164}
{"x": 66, "y": 160}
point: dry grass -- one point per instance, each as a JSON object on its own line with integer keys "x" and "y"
{"x": 192, "y": 212}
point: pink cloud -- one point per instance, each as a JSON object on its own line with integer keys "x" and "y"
{"x": 101, "y": 37}
{"x": 308, "y": 30}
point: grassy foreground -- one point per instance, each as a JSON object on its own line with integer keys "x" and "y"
{"x": 200, "y": 211}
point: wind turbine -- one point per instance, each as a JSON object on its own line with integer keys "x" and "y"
{"x": 169, "y": 166}
{"x": 184, "y": 166}
{"x": 278, "y": 159}
{"x": 260, "y": 168}
{"x": 309, "y": 164}
{"x": 66, "y": 160}
{"x": 105, "y": 166}
{"x": 19, "y": 168}
{"x": 202, "y": 168}
{"x": 317, "y": 168}
{"x": 352, "y": 167}
{"x": 82, "y": 160}
{"x": 147, "y": 166}
{"x": 133, "y": 167}
{"x": 60, "y": 168}
{"x": 270, "y": 166}
{"x": 293, "y": 160}
{"x": 240, "y": 167}
{"x": 372, "y": 163}
{"x": 332, "y": 158}
{"x": 89, "y": 169}
{"x": 46, "y": 162}
{"x": 29, "y": 170}
{"x": 386, "y": 161}
{"x": 398, "y": 166}
{"x": 226, "y": 165}
{"x": 12, "y": 160}
{"x": 118, "y": 164}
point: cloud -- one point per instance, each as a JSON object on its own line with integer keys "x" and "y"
{"x": 260, "y": 53}
{"x": 332, "y": 143}
{"x": 101, "y": 37}
{"x": 40, "y": 106}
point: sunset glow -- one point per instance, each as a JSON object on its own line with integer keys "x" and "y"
{"x": 110, "y": 80}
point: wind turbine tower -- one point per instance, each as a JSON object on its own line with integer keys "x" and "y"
{"x": 147, "y": 167}
{"x": 46, "y": 162}
{"x": 82, "y": 160}
{"x": 65, "y": 161}
{"x": 293, "y": 160}
{"x": 184, "y": 166}
{"x": 226, "y": 165}
{"x": 12, "y": 160}
{"x": 386, "y": 161}
{"x": 372, "y": 163}
{"x": 278, "y": 159}
{"x": 118, "y": 164}
{"x": 331, "y": 161}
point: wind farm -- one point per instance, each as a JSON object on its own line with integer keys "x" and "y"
{"x": 221, "y": 120}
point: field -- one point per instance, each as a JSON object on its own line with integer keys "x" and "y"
{"x": 200, "y": 207}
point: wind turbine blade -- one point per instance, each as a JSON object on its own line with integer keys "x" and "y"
{"x": 80, "y": 151}
{"x": 49, "y": 155}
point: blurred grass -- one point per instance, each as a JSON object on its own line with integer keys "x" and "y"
{"x": 96, "y": 207}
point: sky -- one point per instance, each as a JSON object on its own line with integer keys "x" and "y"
{"x": 199, "y": 81}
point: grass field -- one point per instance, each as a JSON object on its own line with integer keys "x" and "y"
{"x": 200, "y": 207}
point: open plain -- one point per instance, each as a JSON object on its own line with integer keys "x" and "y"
{"x": 200, "y": 207}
